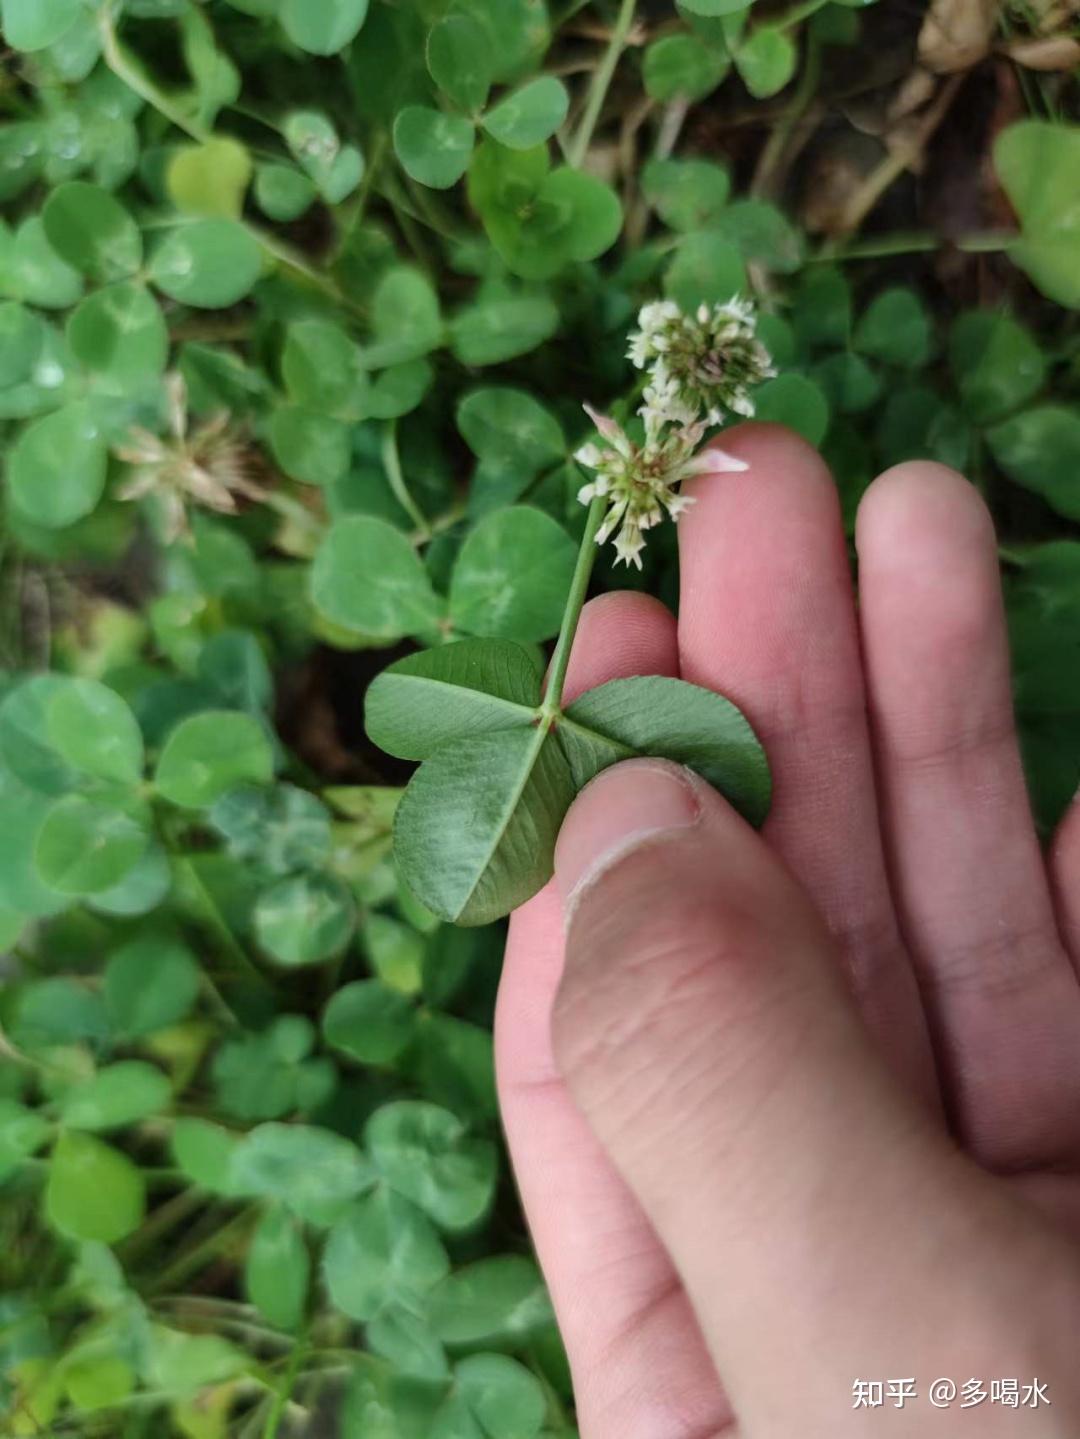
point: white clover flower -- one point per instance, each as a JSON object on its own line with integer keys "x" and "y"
{"x": 710, "y": 360}
{"x": 699, "y": 366}
{"x": 641, "y": 482}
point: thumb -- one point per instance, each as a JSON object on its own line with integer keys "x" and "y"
{"x": 705, "y": 1030}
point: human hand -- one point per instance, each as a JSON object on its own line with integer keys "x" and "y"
{"x": 793, "y": 1110}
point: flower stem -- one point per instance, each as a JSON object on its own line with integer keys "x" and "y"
{"x": 574, "y": 601}
{"x": 600, "y": 83}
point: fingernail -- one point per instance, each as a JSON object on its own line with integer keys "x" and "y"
{"x": 621, "y": 808}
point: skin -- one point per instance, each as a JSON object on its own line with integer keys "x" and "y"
{"x": 795, "y": 1109}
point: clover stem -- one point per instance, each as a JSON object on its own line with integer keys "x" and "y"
{"x": 142, "y": 86}
{"x": 571, "y": 615}
{"x": 391, "y": 458}
{"x": 579, "y": 147}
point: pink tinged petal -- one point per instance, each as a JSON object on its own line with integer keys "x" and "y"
{"x": 604, "y": 423}
{"x": 715, "y": 462}
{"x": 611, "y": 431}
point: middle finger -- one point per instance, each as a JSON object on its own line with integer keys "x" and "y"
{"x": 766, "y": 617}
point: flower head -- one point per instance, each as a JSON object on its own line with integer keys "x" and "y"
{"x": 698, "y": 366}
{"x": 207, "y": 466}
{"x": 710, "y": 360}
{"x": 641, "y": 482}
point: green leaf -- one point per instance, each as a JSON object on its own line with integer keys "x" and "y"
{"x": 181, "y": 1365}
{"x": 309, "y": 446}
{"x": 143, "y": 888}
{"x": 279, "y": 829}
{"x": 93, "y": 1192}
{"x": 434, "y": 148}
{"x": 512, "y": 576}
{"x": 95, "y": 1381}
{"x": 406, "y": 319}
{"x": 398, "y": 390}
{"x": 120, "y": 334}
{"x": 311, "y": 1170}
{"x": 22, "y": 336}
{"x": 367, "y": 577}
{"x": 35, "y": 24}
{"x": 370, "y": 1022}
{"x": 475, "y": 831}
{"x": 450, "y": 693}
{"x": 996, "y": 363}
{"x": 763, "y": 233}
{"x": 59, "y": 1011}
{"x": 120, "y": 1095}
{"x": 510, "y": 429}
{"x": 22, "y": 1132}
{"x": 88, "y": 844}
{"x": 382, "y": 1251}
{"x": 282, "y": 193}
{"x": 323, "y": 370}
{"x": 277, "y": 1272}
{"x": 794, "y": 401}
{"x": 508, "y": 1401}
{"x": 520, "y": 33}
{"x": 25, "y": 747}
{"x": 669, "y": 718}
{"x": 848, "y": 383}
{"x": 57, "y": 469}
{"x": 493, "y": 331}
{"x": 822, "y": 313}
{"x": 306, "y": 919}
{"x": 204, "y": 1153}
{"x": 395, "y": 951}
{"x": 706, "y": 270}
{"x": 539, "y": 221}
{"x": 150, "y": 983}
{"x": 92, "y": 231}
{"x": 1040, "y": 449}
{"x": 326, "y": 28}
{"x": 895, "y": 327}
{"x": 403, "y": 1338}
{"x": 335, "y": 168}
{"x": 208, "y": 264}
{"x": 1037, "y": 163}
{"x": 461, "y": 60}
{"x": 32, "y": 271}
{"x": 686, "y": 194}
{"x": 426, "y": 1154}
{"x": 496, "y": 1300}
{"x": 766, "y": 61}
{"x": 211, "y": 179}
{"x": 680, "y": 67}
{"x": 530, "y": 115}
{"x": 208, "y": 754}
{"x": 94, "y": 730}
{"x": 592, "y": 209}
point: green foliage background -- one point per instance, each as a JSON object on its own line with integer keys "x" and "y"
{"x": 298, "y": 303}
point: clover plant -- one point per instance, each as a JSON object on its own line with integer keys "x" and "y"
{"x": 346, "y": 346}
